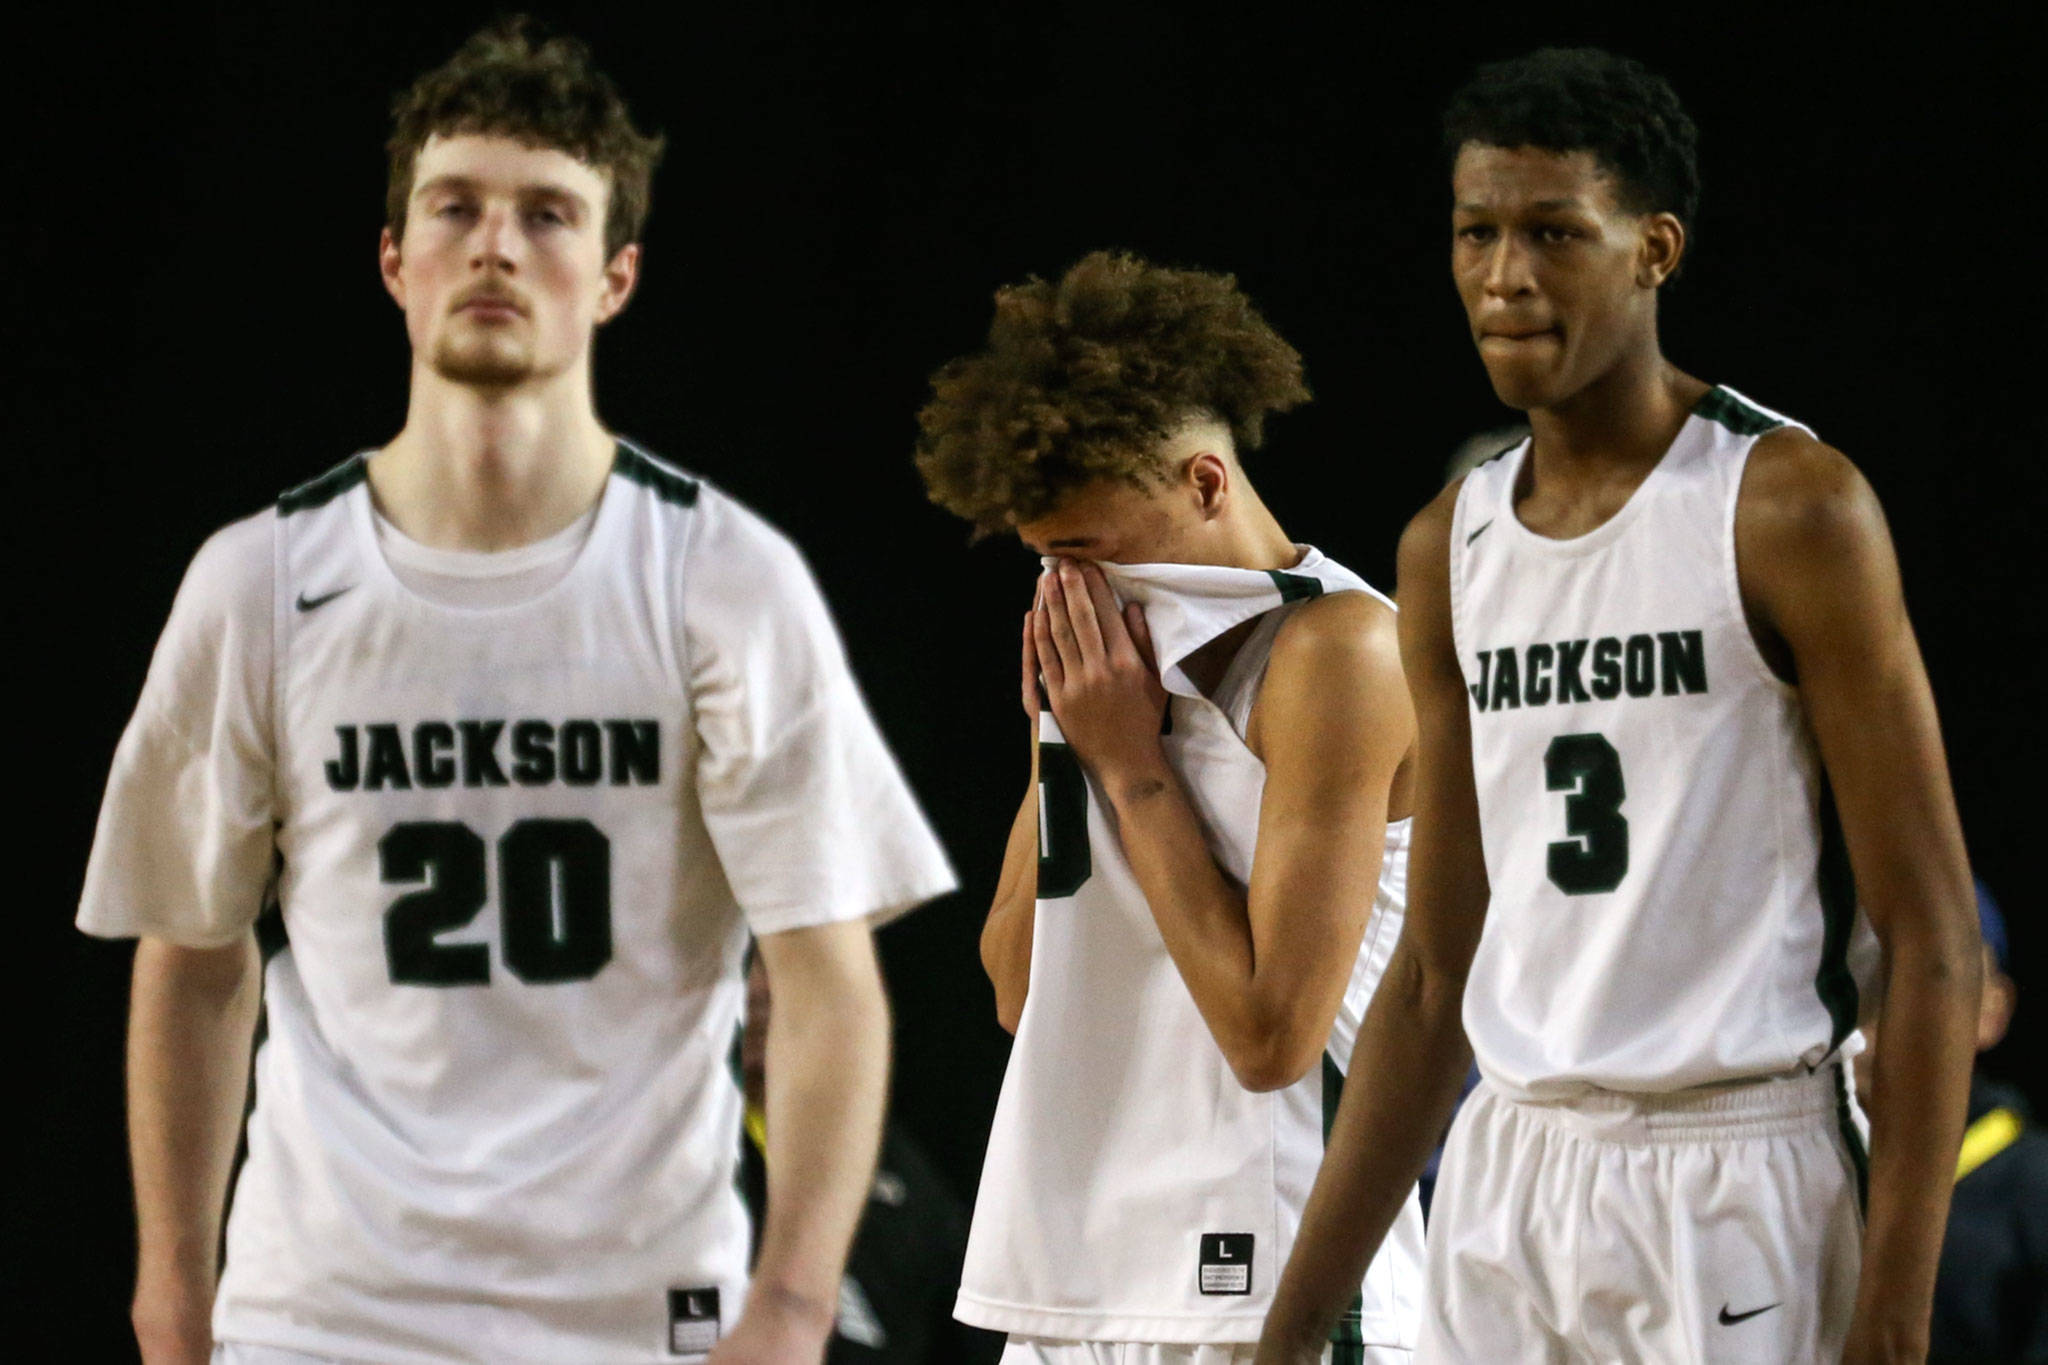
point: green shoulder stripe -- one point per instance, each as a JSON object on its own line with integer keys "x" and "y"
{"x": 325, "y": 489}
{"x": 668, "y": 484}
{"x": 1743, "y": 419}
{"x": 1294, "y": 587}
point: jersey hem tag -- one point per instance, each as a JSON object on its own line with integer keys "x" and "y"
{"x": 1226, "y": 1263}
{"x": 692, "y": 1321}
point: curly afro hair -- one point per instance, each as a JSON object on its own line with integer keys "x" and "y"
{"x": 512, "y": 80}
{"x": 1583, "y": 99}
{"x": 1082, "y": 379}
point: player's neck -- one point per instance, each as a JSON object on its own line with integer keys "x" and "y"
{"x": 1619, "y": 425}
{"x": 485, "y": 470}
{"x": 1251, "y": 537}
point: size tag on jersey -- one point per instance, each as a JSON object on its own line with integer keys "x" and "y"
{"x": 692, "y": 1321}
{"x": 1226, "y": 1263}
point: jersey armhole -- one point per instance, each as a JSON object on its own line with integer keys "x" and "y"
{"x": 679, "y": 623}
{"x": 1731, "y": 581}
{"x": 1457, "y": 573}
{"x": 280, "y": 651}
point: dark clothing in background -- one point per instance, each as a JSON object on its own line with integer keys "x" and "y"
{"x": 1991, "y": 1293}
{"x": 896, "y": 1302}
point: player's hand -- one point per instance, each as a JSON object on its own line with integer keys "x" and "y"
{"x": 1283, "y": 1342}
{"x": 1271, "y": 1352}
{"x": 1875, "y": 1340}
{"x": 775, "y": 1330}
{"x": 1099, "y": 673}
{"x": 173, "y": 1321}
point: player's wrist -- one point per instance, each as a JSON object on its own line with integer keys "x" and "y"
{"x": 1294, "y": 1332}
{"x": 1132, "y": 778}
{"x": 794, "y": 1313}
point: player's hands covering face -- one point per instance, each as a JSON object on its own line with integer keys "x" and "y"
{"x": 1100, "y": 671}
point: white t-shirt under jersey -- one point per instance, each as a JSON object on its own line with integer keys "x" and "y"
{"x": 518, "y": 851}
{"x": 466, "y": 578}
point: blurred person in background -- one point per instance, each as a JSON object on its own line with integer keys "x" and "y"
{"x": 1991, "y": 1293}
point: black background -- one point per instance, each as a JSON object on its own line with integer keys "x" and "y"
{"x": 194, "y": 284}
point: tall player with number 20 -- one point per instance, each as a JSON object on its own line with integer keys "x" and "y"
{"x": 521, "y": 731}
{"x": 1653, "y": 649}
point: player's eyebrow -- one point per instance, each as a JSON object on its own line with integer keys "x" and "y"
{"x": 540, "y": 190}
{"x": 1540, "y": 206}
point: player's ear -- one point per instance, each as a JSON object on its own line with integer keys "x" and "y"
{"x": 389, "y": 259}
{"x": 620, "y": 277}
{"x": 1208, "y": 480}
{"x": 1663, "y": 246}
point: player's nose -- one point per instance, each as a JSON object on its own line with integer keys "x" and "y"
{"x": 494, "y": 240}
{"x": 1507, "y": 267}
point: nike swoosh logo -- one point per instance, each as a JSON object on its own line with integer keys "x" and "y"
{"x": 306, "y": 603}
{"x": 1480, "y": 532}
{"x": 1729, "y": 1319}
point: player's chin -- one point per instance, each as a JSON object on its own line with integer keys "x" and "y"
{"x": 1525, "y": 386}
{"x": 486, "y": 362}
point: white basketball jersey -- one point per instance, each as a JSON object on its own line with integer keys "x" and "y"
{"x": 518, "y": 855}
{"x": 1133, "y": 1190}
{"x": 1670, "y": 905}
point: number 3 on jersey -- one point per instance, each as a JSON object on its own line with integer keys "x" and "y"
{"x": 554, "y": 889}
{"x": 1595, "y": 858}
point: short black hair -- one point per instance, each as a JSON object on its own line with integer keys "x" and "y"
{"x": 1584, "y": 99}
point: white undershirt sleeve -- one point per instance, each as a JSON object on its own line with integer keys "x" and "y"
{"x": 185, "y": 846}
{"x": 812, "y": 820}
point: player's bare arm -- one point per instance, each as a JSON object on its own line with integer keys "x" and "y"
{"x": 1006, "y": 934}
{"x": 1411, "y": 1042}
{"x": 827, "y": 1079}
{"x": 192, "y": 1014}
{"x": 1820, "y": 581}
{"x": 1266, "y": 966}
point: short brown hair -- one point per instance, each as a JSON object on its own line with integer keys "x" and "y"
{"x": 1083, "y": 379}
{"x": 512, "y": 80}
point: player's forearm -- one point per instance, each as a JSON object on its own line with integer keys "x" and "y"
{"x": 1012, "y": 916}
{"x": 191, "y": 1021}
{"x": 1409, "y": 1064}
{"x": 827, "y": 1080}
{"x": 1205, "y": 923}
{"x": 1925, "y": 1046}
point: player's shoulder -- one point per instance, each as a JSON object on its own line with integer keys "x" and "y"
{"x": 736, "y": 568}
{"x": 1425, "y": 541}
{"x": 1800, "y": 496}
{"x": 235, "y": 564}
{"x": 1338, "y": 633}
{"x": 730, "y": 538}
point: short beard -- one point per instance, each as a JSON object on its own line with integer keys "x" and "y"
{"x": 482, "y": 364}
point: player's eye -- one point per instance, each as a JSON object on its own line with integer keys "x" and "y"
{"x": 548, "y": 217}
{"x": 454, "y": 208}
{"x": 1552, "y": 235}
{"x": 1475, "y": 232}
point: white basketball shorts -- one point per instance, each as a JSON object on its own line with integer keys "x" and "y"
{"x": 1706, "y": 1226}
{"x": 1045, "y": 1351}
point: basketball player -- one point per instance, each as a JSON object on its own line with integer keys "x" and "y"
{"x": 1206, "y": 875}
{"x": 522, "y": 731}
{"x": 1644, "y": 645}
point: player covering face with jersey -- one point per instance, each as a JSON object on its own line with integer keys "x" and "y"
{"x": 477, "y": 760}
{"x": 1206, "y": 871}
{"x": 1653, "y": 649}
